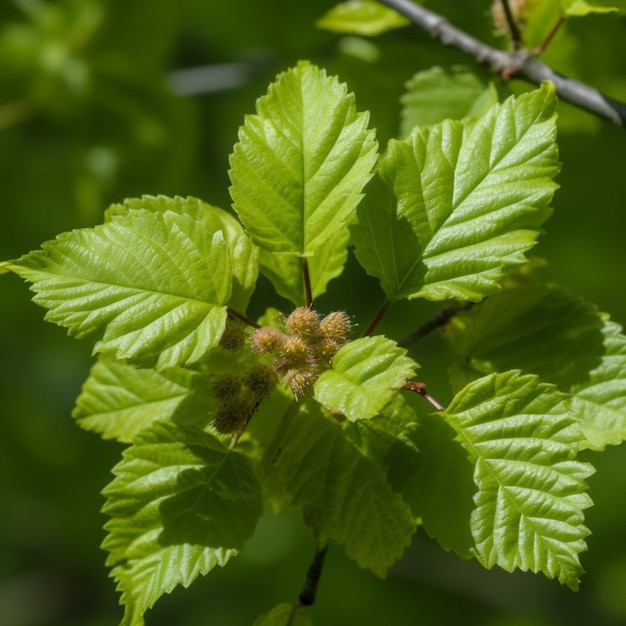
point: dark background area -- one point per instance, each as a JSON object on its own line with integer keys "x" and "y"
{"x": 94, "y": 108}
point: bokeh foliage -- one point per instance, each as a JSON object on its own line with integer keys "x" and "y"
{"x": 93, "y": 109}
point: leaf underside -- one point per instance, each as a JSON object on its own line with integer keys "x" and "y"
{"x": 329, "y": 471}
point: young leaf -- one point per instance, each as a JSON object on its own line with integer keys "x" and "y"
{"x": 437, "y": 94}
{"x": 584, "y": 7}
{"x": 285, "y": 615}
{"x": 337, "y": 474}
{"x": 599, "y": 403}
{"x": 181, "y": 503}
{"x": 365, "y": 375}
{"x": 118, "y": 400}
{"x": 473, "y": 194}
{"x": 362, "y": 17}
{"x": 531, "y": 489}
{"x": 301, "y": 162}
{"x": 243, "y": 253}
{"x": 154, "y": 284}
{"x": 439, "y": 484}
{"x": 285, "y": 271}
{"x": 560, "y": 338}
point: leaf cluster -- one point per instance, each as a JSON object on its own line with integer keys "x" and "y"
{"x": 446, "y": 214}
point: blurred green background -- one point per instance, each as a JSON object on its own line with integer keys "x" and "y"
{"x": 106, "y": 99}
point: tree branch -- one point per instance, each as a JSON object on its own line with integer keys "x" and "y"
{"x": 519, "y": 64}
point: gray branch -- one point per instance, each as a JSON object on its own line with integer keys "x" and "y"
{"x": 519, "y": 64}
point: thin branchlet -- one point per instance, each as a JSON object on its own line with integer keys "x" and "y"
{"x": 521, "y": 64}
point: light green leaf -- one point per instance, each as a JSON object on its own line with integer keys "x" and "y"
{"x": 181, "y": 503}
{"x": 473, "y": 193}
{"x": 600, "y": 401}
{"x": 531, "y": 489}
{"x": 437, "y": 94}
{"x": 336, "y": 473}
{"x": 439, "y": 484}
{"x": 301, "y": 162}
{"x": 362, "y": 17}
{"x": 118, "y": 400}
{"x": 243, "y": 253}
{"x": 365, "y": 375}
{"x": 584, "y": 7}
{"x": 285, "y": 615}
{"x": 560, "y": 338}
{"x": 285, "y": 271}
{"x": 155, "y": 285}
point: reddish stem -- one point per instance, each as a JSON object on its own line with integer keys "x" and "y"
{"x": 379, "y": 316}
{"x": 307, "y": 283}
{"x": 546, "y": 42}
{"x": 242, "y": 318}
{"x": 421, "y": 389}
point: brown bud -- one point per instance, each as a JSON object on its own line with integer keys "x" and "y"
{"x": 327, "y": 348}
{"x": 233, "y": 338}
{"x": 260, "y": 379}
{"x": 266, "y": 339}
{"x": 336, "y": 326}
{"x": 303, "y": 321}
{"x": 227, "y": 387}
{"x": 301, "y": 381}
{"x": 294, "y": 348}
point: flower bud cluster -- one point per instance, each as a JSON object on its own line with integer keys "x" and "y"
{"x": 306, "y": 346}
{"x": 239, "y": 396}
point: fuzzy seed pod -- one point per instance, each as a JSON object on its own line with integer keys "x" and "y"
{"x": 336, "y": 326}
{"x": 301, "y": 381}
{"x": 295, "y": 348}
{"x": 266, "y": 339}
{"x": 233, "y": 338}
{"x": 327, "y": 348}
{"x": 227, "y": 387}
{"x": 228, "y": 419}
{"x": 303, "y": 321}
{"x": 260, "y": 379}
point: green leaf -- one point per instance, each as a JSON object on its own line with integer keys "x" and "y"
{"x": 364, "y": 376}
{"x": 584, "y": 7}
{"x": 337, "y": 474}
{"x": 362, "y": 17}
{"x": 437, "y": 94}
{"x": 472, "y": 194}
{"x": 243, "y": 253}
{"x": 285, "y": 615}
{"x": 118, "y": 400}
{"x": 439, "y": 484}
{"x": 155, "y": 285}
{"x": 600, "y": 401}
{"x": 285, "y": 271}
{"x": 301, "y": 162}
{"x": 181, "y": 503}
{"x": 560, "y": 338}
{"x": 531, "y": 489}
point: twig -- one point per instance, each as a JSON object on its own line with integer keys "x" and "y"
{"x": 546, "y": 42}
{"x": 435, "y": 322}
{"x": 516, "y": 35}
{"x": 309, "y": 591}
{"x": 379, "y": 316}
{"x": 421, "y": 389}
{"x": 307, "y": 283}
{"x": 520, "y": 64}
{"x": 242, "y": 318}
